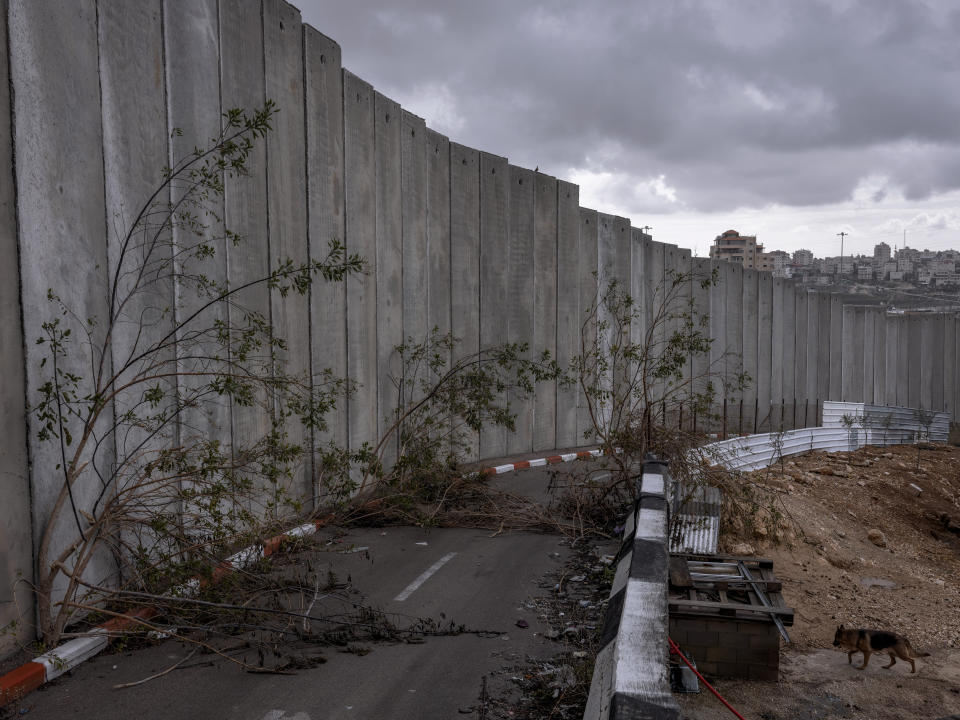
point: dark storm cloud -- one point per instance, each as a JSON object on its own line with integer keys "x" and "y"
{"x": 733, "y": 103}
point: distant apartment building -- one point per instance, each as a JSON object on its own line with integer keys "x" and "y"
{"x": 881, "y": 252}
{"x": 803, "y": 258}
{"x": 865, "y": 271}
{"x": 734, "y": 247}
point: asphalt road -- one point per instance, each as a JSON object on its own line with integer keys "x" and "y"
{"x": 470, "y": 577}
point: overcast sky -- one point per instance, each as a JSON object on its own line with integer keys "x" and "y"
{"x": 792, "y": 120}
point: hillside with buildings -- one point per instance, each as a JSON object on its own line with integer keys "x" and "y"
{"x": 904, "y": 279}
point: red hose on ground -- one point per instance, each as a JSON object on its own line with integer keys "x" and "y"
{"x": 676, "y": 650}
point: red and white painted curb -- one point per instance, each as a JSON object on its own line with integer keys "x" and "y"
{"x": 44, "y": 668}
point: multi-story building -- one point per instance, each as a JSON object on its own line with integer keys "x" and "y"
{"x": 881, "y": 252}
{"x": 734, "y": 247}
{"x": 803, "y": 258}
{"x": 865, "y": 271}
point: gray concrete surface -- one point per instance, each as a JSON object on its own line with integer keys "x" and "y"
{"x": 494, "y": 256}
{"x": 287, "y": 201}
{"x": 545, "y": 313}
{"x": 323, "y": 98}
{"x": 438, "y": 230}
{"x": 519, "y": 271}
{"x": 387, "y": 134}
{"x": 360, "y": 237}
{"x": 465, "y": 255}
{"x": 16, "y": 547}
{"x": 414, "y": 190}
{"x": 587, "y": 292}
{"x": 568, "y": 305}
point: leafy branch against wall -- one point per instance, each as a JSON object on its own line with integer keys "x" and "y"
{"x": 145, "y": 474}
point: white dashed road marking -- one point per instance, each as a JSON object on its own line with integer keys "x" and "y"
{"x": 423, "y": 577}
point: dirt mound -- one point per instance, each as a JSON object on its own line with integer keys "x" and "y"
{"x": 872, "y": 539}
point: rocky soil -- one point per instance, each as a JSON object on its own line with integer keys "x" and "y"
{"x": 869, "y": 539}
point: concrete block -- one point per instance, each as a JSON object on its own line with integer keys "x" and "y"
{"x": 16, "y": 557}
{"x": 438, "y": 231}
{"x": 700, "y": 364}
{"x": 323, "y": 97}
{"x": 866, "y": 394}
{"x": 388, "y": 127}
{"x": 286, "y": 195}
{"x": 928, "y": 359}
{"x": 811, "y": 394}
{"x": 751, "y": 359}
{"x": 915, "y": 332}
{"x": 545, "y": 305}
{"x": 465, "y": 260}
{"x": 789, "y": 353}
{"x": 891, "y": 341}
{"x": 569, "y": 314}
{"x": 520, "y": 291}
{"x": 836, "y": 348}
{"x": 413, "y": 199}
{"x": 764, "y": 350}
{"x": 849, "y": 380}
{"x": 245, "y": 199}
{"x": 949, "y": 363}
{"x": 718, "y": 333}
{"x": 778, "y": 356}
{"x": 823, "y": 351}
{"x": 494, "y": 255}
{"x": 936, "y": 362}
{"x": 587, "y": 284}
{"x": 53, "y": 65}
{"x": 360, "y": 208}
{"x": 879, "y": 355}
{"x": 684, "y": 264}
{"x": 192, "y": 54}
{"x": 800, "y": 355}
{"x": 656, "y": 273}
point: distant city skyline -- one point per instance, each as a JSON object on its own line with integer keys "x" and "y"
{"x": 792, "y": 121}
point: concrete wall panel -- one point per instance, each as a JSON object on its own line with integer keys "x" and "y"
{"x": 811, "y": 394}
{"x": 545, "y": 305}
{"x": 587, "y": 292}
{"x": 929, "y": 357}
{"x": 360, "y": 236}
{"x": 287, "y": 200}
{"x": 388, "y": 125}
{"x": 63, "y": 235}
{"x": 416, "y": 265}
{"x": 15, "y": 525}
{"x": 764, "y": 351}
{"x": 866, "y": 394}
{"x": 718, "y": 333}
{"x": 465, "y": 259}
{"x": 836, "y": 348}
{"x": 789, "y": 354}
{"x": 949, "y": 363}
{"x": 891, "y": 342}
{"x": 569, "y": 314}
{"x": 494, "y": 255}
{"x": 245, "y": 198}
{"x": 700, "y": 364}
{"x": 800, "y": 358}
{"x": 192, "y": 55}
{"x": 879, "y": 356}
{"x": 751, "y": 359}
{"x": 438, "y": 231}
{"x": 323, "y": 95}
{"x": 520, "y": 294}
{"x": 778, "y": 356}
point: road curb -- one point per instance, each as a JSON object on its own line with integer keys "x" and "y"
{"x": 42, "y": 669}
{"x": 630, "y": 677}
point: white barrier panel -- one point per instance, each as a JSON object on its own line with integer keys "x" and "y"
{"x": 882, "y": 422}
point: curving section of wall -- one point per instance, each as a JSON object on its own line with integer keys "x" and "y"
{"x": 456, "y": 238}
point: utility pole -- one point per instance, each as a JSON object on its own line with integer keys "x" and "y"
{"x": 842, "y": 235}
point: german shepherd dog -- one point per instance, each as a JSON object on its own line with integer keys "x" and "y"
{"x": 876, "y": 641}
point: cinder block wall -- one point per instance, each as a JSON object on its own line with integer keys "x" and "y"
{"x": 729, "y": 648}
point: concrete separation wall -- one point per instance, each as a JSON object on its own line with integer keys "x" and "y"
{"x": 630, "y": 675}
{"x": 455, "y": 238}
